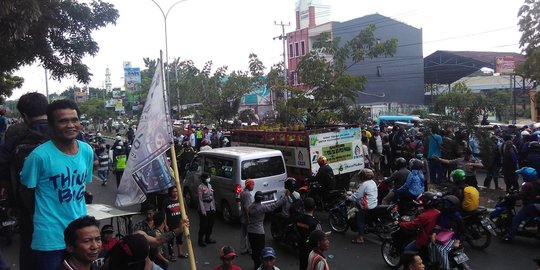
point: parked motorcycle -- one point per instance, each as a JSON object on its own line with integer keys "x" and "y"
{"x": 378, "y": 220}
{"x": 478, "y": 228}
{"x": 502, "y": 216}
{"x": 393, "y": 246}
{"x": 8, "y": 221}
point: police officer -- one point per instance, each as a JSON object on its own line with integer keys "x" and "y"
{"x": 306, "y": 224}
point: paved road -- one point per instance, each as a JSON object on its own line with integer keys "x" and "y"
{"x": 343, "y": 254}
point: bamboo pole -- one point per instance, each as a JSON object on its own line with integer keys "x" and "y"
{"x": 182, "y": 209}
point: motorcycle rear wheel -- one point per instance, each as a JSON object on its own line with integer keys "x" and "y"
{"x": 390, "y": 255}
{"x": 337, "y": 222}
{"x": 477, "y": 236}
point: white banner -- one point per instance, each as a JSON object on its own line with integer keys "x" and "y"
{"x": 147, "y": 170}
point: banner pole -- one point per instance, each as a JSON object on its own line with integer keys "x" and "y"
{"x": 182, "y": 208}
{"x": 186, "y": 232}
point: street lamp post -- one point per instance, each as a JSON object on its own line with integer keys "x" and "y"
{"x": 165, "y": 15}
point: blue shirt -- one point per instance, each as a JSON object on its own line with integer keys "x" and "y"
{"x": 434, "y": 149}
{"x": 60, "y": 182}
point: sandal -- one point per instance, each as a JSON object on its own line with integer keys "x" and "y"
{"x": 354, "y": 241}
{"x": 183, "y": 256}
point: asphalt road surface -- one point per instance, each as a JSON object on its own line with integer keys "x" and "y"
{"x": 342, "y": 254}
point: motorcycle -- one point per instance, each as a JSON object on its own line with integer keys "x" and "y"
{"x": 478, "y": 228}
{"x": 283, "y": 233}
{"x": 393, "y": 247}
{"x": 502, "y": 216}
{"x": 377, "y": 221}
{"x": 8, "y": 221}
{"x": 324, "y": 200}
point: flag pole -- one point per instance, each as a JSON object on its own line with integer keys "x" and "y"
{"x": 186, "y": 232}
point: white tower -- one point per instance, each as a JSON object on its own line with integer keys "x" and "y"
{"x": 108, "y": 84}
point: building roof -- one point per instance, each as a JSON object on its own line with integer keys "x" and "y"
{"x": 445, "y": 67}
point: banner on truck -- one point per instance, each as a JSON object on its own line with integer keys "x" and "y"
{"x": 343, "y": 150}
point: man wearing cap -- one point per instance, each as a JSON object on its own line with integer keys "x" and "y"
{"x": 268, "y": 256}
{"x": 227, "y": 255}
{"x": 245, "y": 201}
{"x": 320, "y": 243}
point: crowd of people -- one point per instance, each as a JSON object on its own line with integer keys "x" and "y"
{"x": 46, "y": 163}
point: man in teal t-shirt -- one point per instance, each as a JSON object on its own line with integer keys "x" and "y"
{"x": 58, "y": 170}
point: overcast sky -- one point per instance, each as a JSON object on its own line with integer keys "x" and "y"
{"x": 227, "y": 31}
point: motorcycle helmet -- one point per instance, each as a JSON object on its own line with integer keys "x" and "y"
{"x": 428, "y": 199}
{"x": 529, "y": 174}
{"x": 400, "y": 163}
{"x": 290, "y": 184}
{"x": 458, "y": 176}
{"x": 322, "y": 160}
{"x": 450, "y": 203}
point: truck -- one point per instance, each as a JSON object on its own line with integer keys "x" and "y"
{"x": 342, "y": 146}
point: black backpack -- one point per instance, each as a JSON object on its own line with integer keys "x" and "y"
{"x": 26, "y": 144}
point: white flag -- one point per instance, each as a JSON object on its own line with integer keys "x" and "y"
{"x": 147, "y": 169}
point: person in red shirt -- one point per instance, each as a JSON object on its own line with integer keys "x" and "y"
{"x": 423, "y": 223}
{"x": 107, "y": 239}
{"x": 227, "y": 255}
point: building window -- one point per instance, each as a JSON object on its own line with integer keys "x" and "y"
{"x": 295, "y": 78}
{"x": 291, "y": 52}
{"x": 303, "y": 47}
{"x": 297, "y": 51}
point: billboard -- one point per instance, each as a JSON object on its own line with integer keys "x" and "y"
{"x": 505, "y": 65}
{"x": 259, "y": 95}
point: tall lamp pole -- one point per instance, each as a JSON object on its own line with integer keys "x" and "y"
{"x": 165, "y": 15}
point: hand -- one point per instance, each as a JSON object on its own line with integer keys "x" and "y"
{"x": 396, "y": 222}
{"x": 287, "y": 192}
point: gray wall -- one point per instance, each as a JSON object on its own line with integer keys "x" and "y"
{"x": 402, "y": 78}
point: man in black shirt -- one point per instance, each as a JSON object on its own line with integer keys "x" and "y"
{"x": 306, "y": 224}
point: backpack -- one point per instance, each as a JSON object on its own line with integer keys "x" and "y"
{"x": 471, "y": 199}
{"x": 25, "y": 146}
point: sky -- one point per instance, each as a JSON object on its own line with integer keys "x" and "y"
{"x": 227, "y": 31}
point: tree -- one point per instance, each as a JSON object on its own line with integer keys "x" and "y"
{"x": 55, "y": 32}
{"x": 529, "y": 26}
{"x": 221, "y": 93}
{"x": 95, "y": 109}
{"x": 332, "y": 91}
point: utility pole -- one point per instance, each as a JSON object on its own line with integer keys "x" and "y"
{"x": 283, "y": 38}
{"x": 47, "y": 85}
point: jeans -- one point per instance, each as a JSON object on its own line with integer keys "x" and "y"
{"x": 526, "y": 212}
{"x": 103, "y": 175}
{"x": 510, "y": 179}
{"x": 361, "y": 221}
{"x": 435, "y": 171}
{"x": 493, "y": 173}
{"x": 48, "y": 260}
